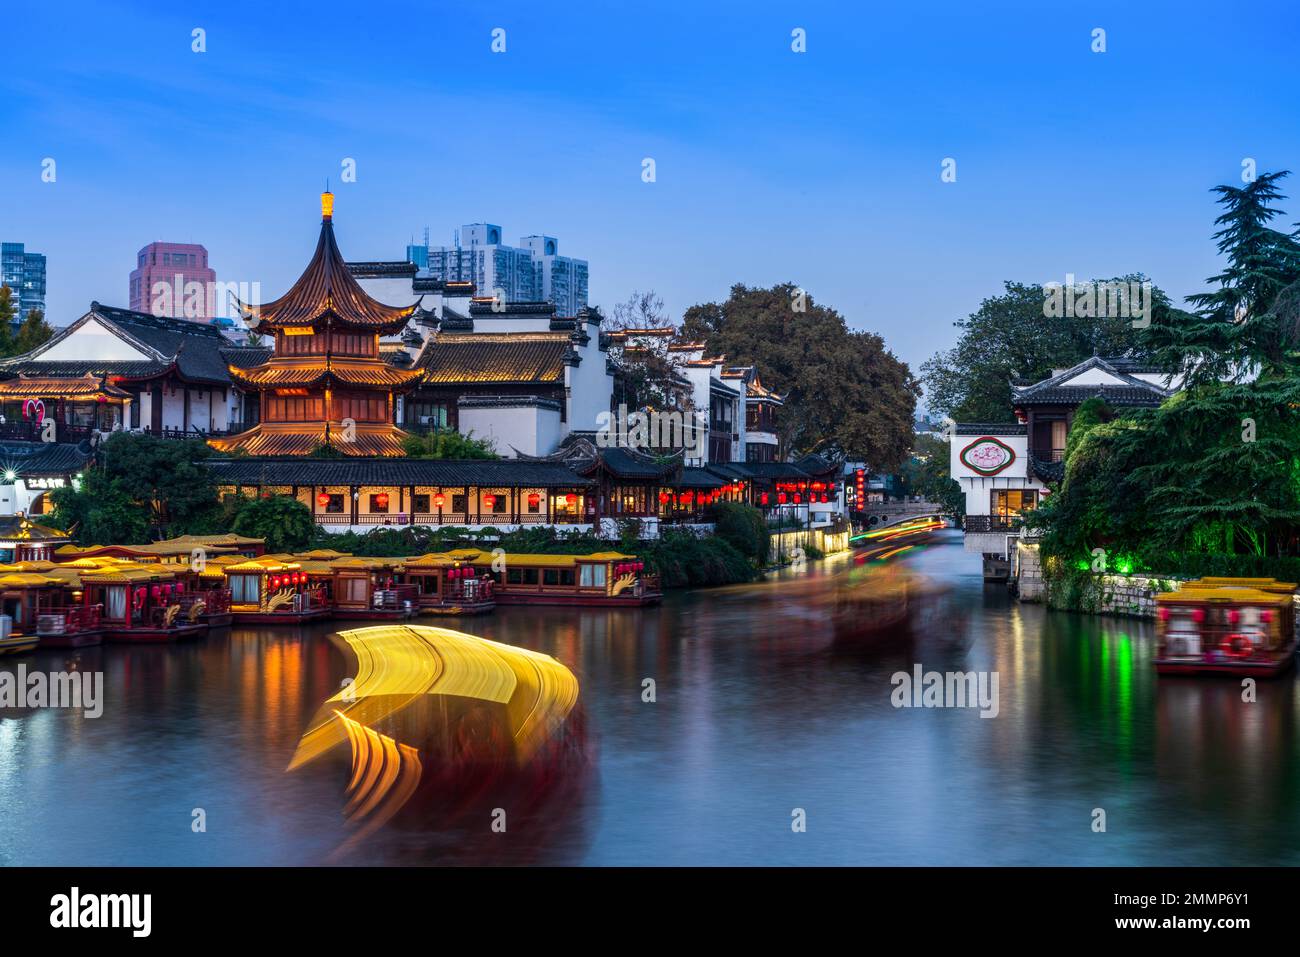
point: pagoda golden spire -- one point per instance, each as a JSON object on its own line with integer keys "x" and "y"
{"x": 327, "y": 204}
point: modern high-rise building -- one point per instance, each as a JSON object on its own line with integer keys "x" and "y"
{"x": 24, "y": 273}
{"x": 173, "y": 279}
{"x": 530, "y": 272}
{"x": 562, "y": 280}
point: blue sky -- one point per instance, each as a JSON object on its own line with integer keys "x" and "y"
{"x": 819, "y": 168}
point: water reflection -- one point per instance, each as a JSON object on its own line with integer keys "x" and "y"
{"x": 758, "y": 710}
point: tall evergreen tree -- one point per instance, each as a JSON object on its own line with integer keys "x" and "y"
{"x": 1236, "y": 330}
{"x": 33, "y": 332}
{"x": 8, "y": 312}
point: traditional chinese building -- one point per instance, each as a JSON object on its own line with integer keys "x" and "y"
{"x": 115, "y": 369}
{"x": 1006, "y": 468}
{"x": 325, "y": 384}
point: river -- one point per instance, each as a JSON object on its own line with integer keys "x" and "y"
{"x": 757, "y": 713}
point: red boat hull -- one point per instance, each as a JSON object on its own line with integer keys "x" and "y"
{"x": 279, "y": 617}
{"x": 585, "y": 601}
{"x": 154, "y": 635}
{"x": 81, "y": 639}
{"x": 1247, "y": 669}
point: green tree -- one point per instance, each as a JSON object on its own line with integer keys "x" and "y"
{"x": 447, "y": 444}
{"x": 8, "y": 314}
{"x": 101, "y": 512}
{"x": 744, "y": 527}
{"x": 165, "y": 475}
{"x": 1251, "y": 322}
{"x": 1011, "y": 337}
{"x": 33, "y": 332}
{"x": 1214, "y": 471}
{"x": 285, "y": 523}
{"x": 845, "y": 392}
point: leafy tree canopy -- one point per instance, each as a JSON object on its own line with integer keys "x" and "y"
{"x": 447, "y": 444}
{"x": 845, "y": 392}
{"x": 1012, "y": 337}
{"x": 1251, "y": 322}
{"x": 285, "y": 523}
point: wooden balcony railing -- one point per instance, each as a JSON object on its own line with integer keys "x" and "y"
{"x": 992, "y": 523}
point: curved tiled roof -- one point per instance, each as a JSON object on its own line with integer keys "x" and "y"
{"x": 525, "y": 357}
{"x": 381, "y": 439}
{"x": 44, "y": 458}
{"x": 327, "y": 290}
{"x": 374, "y": 374}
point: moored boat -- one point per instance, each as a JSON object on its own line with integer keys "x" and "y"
{"x": 44, "y": 604}
{"x": 274, "y": 589}
{"x": 141, "y": 603}
{"x": 1226, "y": 626}
{"x": 446, "y": 585}
{"x": 599, "y": 579}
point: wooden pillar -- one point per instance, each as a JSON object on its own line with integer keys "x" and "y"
{"x": 411, "y": 490}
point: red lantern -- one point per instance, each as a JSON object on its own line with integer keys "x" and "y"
{"x": 763, "y": 498}
{"x": 1234, "y": 616}
{"x": 571, "y": 499}
{"x": 437, "y": 501}
{"x": 664, "y": 498}
{"x": 322, "y": 499}
{"x": 382, "y": 500}
{"x": 781, "y": 498}
{"x": 1266, "y": 615}
{"x": 489, "y": 500}
{"x": 1198, "y": 615}
{"x": 797, "y": 498}
{"x": 825, "y": 497}
{"x": 534, "y": 499}
{"x": 1163, "y": 614}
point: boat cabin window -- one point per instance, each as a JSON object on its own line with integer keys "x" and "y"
{"x": 13, "y": 607}
{"x": 521, "y": 576}
{"x": 593, "y": 576}
{"x": 115, "y": 602}
{"x": 557, "y": 576}
{"x": 245, "y": 588}
{"x": 354, "y": 589}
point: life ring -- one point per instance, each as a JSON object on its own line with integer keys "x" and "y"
{"x": 1229, "y": 646}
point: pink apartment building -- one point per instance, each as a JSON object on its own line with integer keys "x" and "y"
{"x": 175, "y": 266}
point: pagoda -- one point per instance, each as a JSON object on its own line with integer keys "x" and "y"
{"x": 325, "y": 384}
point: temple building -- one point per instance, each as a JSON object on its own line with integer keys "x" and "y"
{"x": 321, "y": 412}
{"x": 325, "y": 386}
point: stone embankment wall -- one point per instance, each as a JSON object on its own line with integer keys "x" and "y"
{"x": 782, "y": 545}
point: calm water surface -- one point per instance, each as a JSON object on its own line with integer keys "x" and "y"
{"x": 758, "y": 713}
